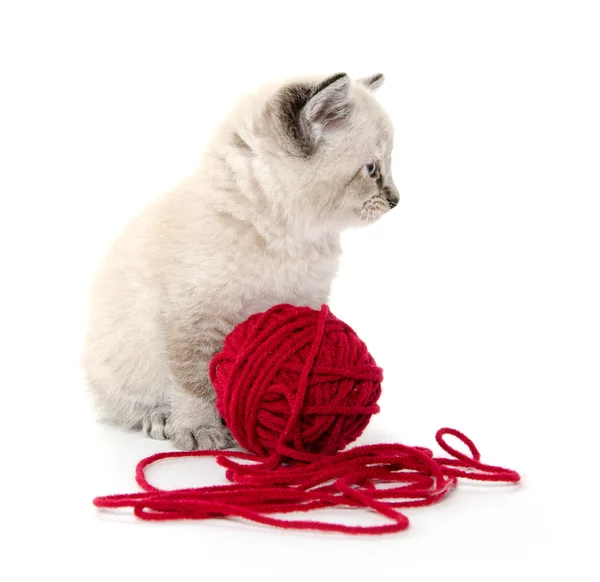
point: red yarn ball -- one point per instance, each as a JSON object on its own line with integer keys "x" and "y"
{"x": 296, "y": 382}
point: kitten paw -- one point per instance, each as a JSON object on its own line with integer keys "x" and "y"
{"x": 202, "y": 437}
{"x": 154, "y": 423}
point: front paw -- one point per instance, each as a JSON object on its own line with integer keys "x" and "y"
{"x": 155, "y": 422}
{"x": 201, "y": 437}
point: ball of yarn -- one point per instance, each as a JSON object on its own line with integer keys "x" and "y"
{"x": 295, "y": 381}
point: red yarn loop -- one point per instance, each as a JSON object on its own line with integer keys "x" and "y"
{"x": 472, "y": 468}
{"x": 296, "y": 386}
{"x": 439, "y": 437}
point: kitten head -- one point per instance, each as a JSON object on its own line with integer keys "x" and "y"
{"x": 331, "y": 143}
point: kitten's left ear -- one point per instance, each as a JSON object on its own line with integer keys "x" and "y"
{"x": 373, "y": 82}
{"x": 308, "y": 112}
{"x": 328, "y": 105}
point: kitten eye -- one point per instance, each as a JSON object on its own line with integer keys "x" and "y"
{"x": 371, "y": 169}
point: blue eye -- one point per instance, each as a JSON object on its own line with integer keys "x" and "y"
{"x": 371, "y": 169}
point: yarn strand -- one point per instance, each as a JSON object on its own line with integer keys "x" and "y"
{"x": 357, "y": 478}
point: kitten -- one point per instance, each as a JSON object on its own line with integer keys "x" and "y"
{"x": 258, "y": 224}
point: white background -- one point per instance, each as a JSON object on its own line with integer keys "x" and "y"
{"x": 479, "y": 295}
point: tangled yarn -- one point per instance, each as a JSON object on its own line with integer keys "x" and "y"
{"x": 295, "y": 386}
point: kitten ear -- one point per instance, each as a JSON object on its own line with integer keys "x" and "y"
{"x": 373, "y": 82}
{"x": 328, "y": 105}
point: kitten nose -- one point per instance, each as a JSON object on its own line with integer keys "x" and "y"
{"x": 393, "y": 196}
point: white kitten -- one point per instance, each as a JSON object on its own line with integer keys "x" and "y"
{"x": 258, "y": 224}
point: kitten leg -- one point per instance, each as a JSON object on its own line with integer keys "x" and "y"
{"x": 197, "y": 424}
{"x": 154, "y": 422}
{"x": 194, "y": 422}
